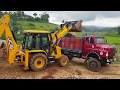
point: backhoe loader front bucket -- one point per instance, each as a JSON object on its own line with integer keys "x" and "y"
{"x": 76, "y": 26}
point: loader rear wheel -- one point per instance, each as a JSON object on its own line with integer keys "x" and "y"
{"x": 93, "y": 64}
{"x": 38, "y": 62}
{"x": 63, "y": 61}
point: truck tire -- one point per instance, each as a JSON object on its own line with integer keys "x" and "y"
{"x": 93, "y": 64}
{"x": 38, "y": 62}
{"x": 63, "y": 61}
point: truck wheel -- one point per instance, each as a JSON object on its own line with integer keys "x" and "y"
{"x": 38, "y": 62}
{"x": 63, "y": 61}
{"x": 93, "y": 64}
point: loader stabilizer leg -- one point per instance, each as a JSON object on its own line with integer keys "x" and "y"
{"x": 26, "y": 58}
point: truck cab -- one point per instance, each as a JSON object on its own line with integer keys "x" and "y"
{"x": 97, "y": 47}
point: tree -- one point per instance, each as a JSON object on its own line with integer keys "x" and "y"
{"x": 23, "y": 14}
{"x": 118, "y": 29}
{"x": 35, "y": 14}
{"x": 45, "y": 17}
{"x": 10, "y": 12}
{"x": 1, "y": 14}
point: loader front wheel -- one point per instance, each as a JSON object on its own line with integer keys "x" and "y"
{"x": 38, "y": 62}
{"x": 63, "y": 61}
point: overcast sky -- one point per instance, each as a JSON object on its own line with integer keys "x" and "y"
{"x": 98, "y": 18}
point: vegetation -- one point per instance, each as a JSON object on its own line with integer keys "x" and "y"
{"x": 1, "y": 14}
{"x": 118, "y": 30}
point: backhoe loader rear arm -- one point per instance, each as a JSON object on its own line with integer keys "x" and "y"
{"x": 13, "y": 48}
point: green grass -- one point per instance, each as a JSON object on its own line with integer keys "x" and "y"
{"x": 118, "y": 60}
{"x": 113, "y": 40}
{"x": 25, "y": 25}
{"x": 39, "y": 26}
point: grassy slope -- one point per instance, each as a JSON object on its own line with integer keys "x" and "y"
{"x": 40, "y": 26}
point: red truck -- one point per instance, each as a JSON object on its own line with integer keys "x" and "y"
{"x": 93, "y": 49}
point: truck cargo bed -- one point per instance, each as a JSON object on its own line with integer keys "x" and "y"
{"x": 71, "y": 46}
{"x": 71, "y": 43}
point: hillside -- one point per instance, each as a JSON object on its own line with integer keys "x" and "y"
{"x": 27, "y": 25}
{"x": 36, "y": 25}
{"x": 96, "y": 28}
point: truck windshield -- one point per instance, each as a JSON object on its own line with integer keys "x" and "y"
{"x": 100, "y": 40}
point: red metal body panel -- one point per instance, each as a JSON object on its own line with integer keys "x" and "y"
{"x": 71, "y": 43}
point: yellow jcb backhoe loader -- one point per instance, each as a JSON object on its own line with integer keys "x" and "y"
{"x": 39, "y": 47}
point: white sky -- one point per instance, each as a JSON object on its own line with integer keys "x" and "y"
{"x": 97, "y": 18}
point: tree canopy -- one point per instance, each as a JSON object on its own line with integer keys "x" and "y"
{"x": 1, "y": 14}
{"x": 20, "y": 15}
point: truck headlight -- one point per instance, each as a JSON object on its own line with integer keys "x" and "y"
{"x": 101, "y": 53}
{"x": 107, "y": 54}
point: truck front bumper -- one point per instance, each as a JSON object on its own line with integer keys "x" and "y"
{"x": 111, "y": 60}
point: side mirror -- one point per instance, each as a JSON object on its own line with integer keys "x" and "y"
{"x": 106, "y": 41}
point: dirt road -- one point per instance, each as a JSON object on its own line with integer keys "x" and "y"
{"x": 75, "y": 70}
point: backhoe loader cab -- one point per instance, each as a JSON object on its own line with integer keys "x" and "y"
{"x": 36, "y": 40}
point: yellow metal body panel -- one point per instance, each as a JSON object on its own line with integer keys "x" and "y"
{"x": 35, "y": 31}
{"x": 59, "y": 54}
{"x": 35, "y": 51}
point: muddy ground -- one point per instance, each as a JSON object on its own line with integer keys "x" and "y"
{"x": 75, "y": 70}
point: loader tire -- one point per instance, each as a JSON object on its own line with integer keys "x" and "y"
{"x": 38, "y": 62}
{"x": 93, "y": 64}
{"x": 63, "y": 61}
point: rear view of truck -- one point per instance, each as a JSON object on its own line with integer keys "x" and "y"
{"x": 93, "y": 49}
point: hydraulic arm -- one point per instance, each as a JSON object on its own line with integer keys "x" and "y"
{"x": 65, "y": 28}
{"x": 13, "y": 48}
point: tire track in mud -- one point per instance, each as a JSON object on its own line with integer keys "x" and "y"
{"x": 50, "y": 73}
